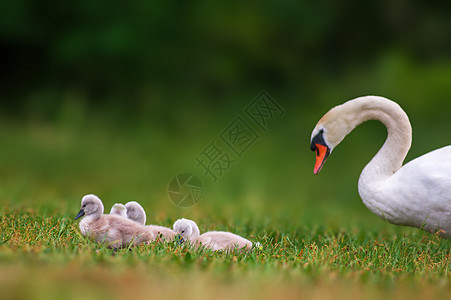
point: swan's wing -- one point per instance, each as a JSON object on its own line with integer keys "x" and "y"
{"x": 429, "y": 173}
{"x": 424, "y": 185}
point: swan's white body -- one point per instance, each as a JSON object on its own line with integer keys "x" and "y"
{"x": 417, "y": 194}
{"x": 214, "y": 240}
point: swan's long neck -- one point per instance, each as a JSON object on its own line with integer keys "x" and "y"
{"x": 341, "y": 120}
{"x": 390, "y": 157}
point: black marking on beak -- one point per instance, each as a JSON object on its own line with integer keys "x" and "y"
{"x": 81, "y": 213}
{"x": 318, "y": 139}
{"x": 322, "y": 150}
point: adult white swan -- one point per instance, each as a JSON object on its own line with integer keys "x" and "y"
{"x": 417, "y": 194}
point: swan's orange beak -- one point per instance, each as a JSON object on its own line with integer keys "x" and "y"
{"x": 322, "y": 152}
{"x": 319, "y": 145}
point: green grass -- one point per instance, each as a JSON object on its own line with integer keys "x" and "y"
{"x": 319, "y": 241}
{"x": 46, "y": 257}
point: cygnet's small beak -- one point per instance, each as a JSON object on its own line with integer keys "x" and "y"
{"x": 179, "y": 239}
{"x": 81, "y": 213}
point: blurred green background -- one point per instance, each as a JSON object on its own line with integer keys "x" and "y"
{"x": 115, "y": 98}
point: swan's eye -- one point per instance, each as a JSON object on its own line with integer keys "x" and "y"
{"x": 84, "y": 205}
{"x": 318, "y": 140}
{"x": 183, "y": 231}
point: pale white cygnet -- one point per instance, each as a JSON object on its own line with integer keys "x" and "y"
{"x": 214, "y": 240}
{"x": 187, "y": 230}
{"x": 136, "y": 212}
{"x": 112, "y": 230}
{"x": 119, "y": 209}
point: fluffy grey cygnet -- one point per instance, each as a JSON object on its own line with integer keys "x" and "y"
{"x": 112, "y": 230}
{"x": 136, "y": 212}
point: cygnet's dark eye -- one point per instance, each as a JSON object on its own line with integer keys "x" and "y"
{"x": 183, "y": 231}
{"x": 84, "y": 205}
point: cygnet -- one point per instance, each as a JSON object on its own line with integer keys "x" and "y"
{"x": 112, "y": 230}
{"x": 214, "y": 240}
